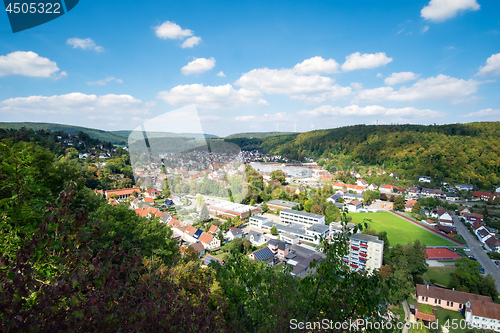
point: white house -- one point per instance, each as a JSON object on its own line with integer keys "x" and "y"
{"x": 234, "y": 233}
{"x": 483, "y": 315}
{"x": 354, "y": 206}
{"x": 256, "y": 238}
{"x": 209, "y": 241}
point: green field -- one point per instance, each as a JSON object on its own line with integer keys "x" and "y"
{"x": 441, "y": 275}
{"x": 399, "y": 231}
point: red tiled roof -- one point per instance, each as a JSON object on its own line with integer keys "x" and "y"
{"x": 485, "y": 309}
{"x": 425, "y": 316}
{"x": 124, "y": 191}
{"x": 441, "y": 253}
{"x": 206, "y": 238}
{"x": 213, "y": 228}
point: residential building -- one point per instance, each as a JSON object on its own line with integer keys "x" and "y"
{"x": 424, "y": 179}
{"x": 335, "y": 197}
{"x": 209, "y": 241}
{"x": 256, "y": 238}
{"x": 446, "y": 298}
{"x": 365, "y": 253}
{"x": 122, "y": 193}
{"x": 264, "y": 255}
{"x": 214, "y": 229}
{"x": 354, "y": 206}
{"x": 485, "y": 196}
{"x": 234, "y": 233}
{"x": 210, "y": 258}
{"x": 483, "y": 315}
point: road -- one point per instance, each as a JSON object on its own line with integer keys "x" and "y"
{"x": 477, "y": 251}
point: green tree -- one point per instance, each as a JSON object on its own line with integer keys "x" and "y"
{"x": 308, "y": 205}
{"x": 204, "y": 214}
{"x": 369, "y": 196}
{"x": 274, "y": 230}
{"x": 399, "y": 203}
{"x": 265, "y": 208}
{"x": 416, "y": 208}
{"x": 279, "y": 175}
{"x": 316, "y": 209}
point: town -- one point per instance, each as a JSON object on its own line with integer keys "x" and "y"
{"x": 192, "y": 193}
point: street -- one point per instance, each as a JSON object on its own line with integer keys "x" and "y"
{"x": 476, "y": 249}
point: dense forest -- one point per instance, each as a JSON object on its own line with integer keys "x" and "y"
{"x": 455, "y": 153}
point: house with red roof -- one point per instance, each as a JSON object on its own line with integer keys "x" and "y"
{"x": 209, "y": 241}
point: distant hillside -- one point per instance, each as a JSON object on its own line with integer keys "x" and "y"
{"x": 73, "y": 130}
{"x": 151, "y": 135}
{"x": 453, "y": 152}
{"x": 259, "y": 135}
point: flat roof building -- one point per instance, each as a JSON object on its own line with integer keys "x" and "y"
{"x": 281, "y": 204}
{"x": 231, "y": 209}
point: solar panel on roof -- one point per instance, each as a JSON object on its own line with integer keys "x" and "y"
{"x": 263, "y": 254}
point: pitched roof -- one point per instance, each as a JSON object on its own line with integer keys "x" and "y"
{"x": 206, "y": 238}
{"x": 235, "y": 231}
{"x": 190, "y": 230}
{"x": 263, "y": 254}
{"x": 492, "y": 242}
{"x": 209, "y": 258}
{"x": 213, "y": 228}
{"x": 450, "y": 295}
{"x": 425, "y": 316}
{"x": 485, "y": 309}
{"x": 198, "y": 247}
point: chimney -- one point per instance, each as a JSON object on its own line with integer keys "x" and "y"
{"x": 427, "y": 287}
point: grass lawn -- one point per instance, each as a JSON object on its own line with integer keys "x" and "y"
{"x": 443, "y": 315}
{"x": 399, "y": 231}
{"x": 441, "y": 275}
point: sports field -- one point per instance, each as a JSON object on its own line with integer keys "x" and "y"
{"x": 399, "y": 231}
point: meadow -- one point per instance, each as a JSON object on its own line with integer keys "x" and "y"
{"x": 399, "y": 231}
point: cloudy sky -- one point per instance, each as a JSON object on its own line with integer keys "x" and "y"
{"x": 256, "y": 65}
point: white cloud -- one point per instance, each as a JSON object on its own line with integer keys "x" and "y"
{"x": 482, "y": 114}
{"x": 75, "y": 104}
{"x": 400, "y": 77}
{"x": 105, "y": 81}
{"x": 170, "y": 30}
{"x": 28, "y": 64}
{"x": 190, "y": 42}
{"x": 198, "y": 66}
{"x": 441, "y": 10}
{"x": 371, "y": 110}
{"x": 425, "y": 29}
{"x": 221, "y": 74}
{"x": 211, "y": 97}
{"x": 439, "y": 87}
{"x": 379, "y": 75}
{"x": 317, "y": 65}
{"x": 492, "y": 67}
{"x": 366, "y": 60}
{"x": 312, "y": 88}
{"x": 84, "y": 44}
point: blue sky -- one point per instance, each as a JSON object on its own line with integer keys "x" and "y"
{"x": 256, "y": 65}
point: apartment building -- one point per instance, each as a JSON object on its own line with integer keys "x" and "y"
{"x": 365, "y": 253}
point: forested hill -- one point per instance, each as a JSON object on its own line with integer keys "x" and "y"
{"x": 114, "y": 138}
{"x": 454, "y": 152}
